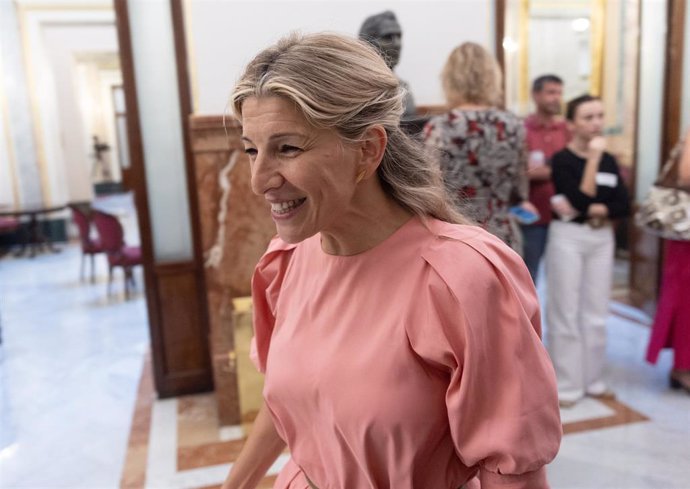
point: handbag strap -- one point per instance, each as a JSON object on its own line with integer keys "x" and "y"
{"x": 669, "y": 172}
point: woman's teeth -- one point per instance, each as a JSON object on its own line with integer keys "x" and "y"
{"x": 287, "y": 206}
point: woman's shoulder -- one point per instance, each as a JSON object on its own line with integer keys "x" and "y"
{"x": 445, "y": 120}
{"x": 459, "y": 252}
{"x": 475, "y": 267}
{"x": 277, "y": 246}
{"x": 563, "y": 156}
{"x": 507, "y": 115}
{"x": 276, "y": 257}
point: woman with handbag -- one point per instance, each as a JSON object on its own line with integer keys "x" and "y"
{"x": 672, "y": 322}
{"x": 579, "y": 254}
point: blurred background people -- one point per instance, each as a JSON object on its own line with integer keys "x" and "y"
{"x": 672, "y": 321}
{"x": 481, "y": 146}
{"x": 580, "y": 252}
{"x": 384, "y": 33}
{"x": 546, "y": 133}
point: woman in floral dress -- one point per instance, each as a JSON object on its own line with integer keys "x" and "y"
{"x": 482, "y": 148}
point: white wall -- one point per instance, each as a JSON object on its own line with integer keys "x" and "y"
{"x": 226, "y": 34}
{"x": 62, "y": 44}
{"x": 38, "y": 22}
{"x": 161, "y": 128}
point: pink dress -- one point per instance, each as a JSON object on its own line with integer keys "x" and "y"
{"x": 415, "y": 364}
{"x": 672, "y": 322}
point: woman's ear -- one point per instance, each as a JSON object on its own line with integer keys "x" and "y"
{"x": 373, "y": 146}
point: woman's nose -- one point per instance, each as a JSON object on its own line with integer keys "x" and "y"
{"x": 265, "y": 175}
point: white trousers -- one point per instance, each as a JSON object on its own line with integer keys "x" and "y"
{"x": 579, "y": 267}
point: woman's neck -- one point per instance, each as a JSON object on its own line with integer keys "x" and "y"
{"x": 468, "y": 106}
{"x": 579, "y": 146}
{"x": 366, "y": 224}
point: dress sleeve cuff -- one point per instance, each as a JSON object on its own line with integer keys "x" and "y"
{"x": 528, "y": 480}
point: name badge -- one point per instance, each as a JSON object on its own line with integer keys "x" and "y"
{"x": 607, "y": 179}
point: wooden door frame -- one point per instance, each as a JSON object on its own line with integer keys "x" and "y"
{"x": 175, "y": 292}
{"x": 643, "y": 294}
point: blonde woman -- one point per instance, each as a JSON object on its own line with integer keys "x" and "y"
{"x": 482, "y": 148}
{"x": 384, "y": 366}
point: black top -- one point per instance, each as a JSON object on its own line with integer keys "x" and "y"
{"x": 566, "y": 171}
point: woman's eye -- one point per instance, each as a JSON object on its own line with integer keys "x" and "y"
{"x": 286, "y": 148}
{"x": 250, "y": 151}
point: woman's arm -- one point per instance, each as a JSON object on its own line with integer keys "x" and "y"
{"x": 260, "y": 451}
{"x": 684, "y": 169}
{"x": 588, "y": 184}
{"x": 566, "y": 180}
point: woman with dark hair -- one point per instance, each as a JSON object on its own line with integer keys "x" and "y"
{"x": 579, "y": 253}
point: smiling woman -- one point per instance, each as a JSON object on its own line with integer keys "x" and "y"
{"x": 383, "y": 366}
{"x": 309, "y": 177}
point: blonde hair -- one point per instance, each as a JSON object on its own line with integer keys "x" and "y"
{"x": 472, "y": 75}
{"x": 343, "y": 84}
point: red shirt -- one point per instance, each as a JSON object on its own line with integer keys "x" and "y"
{"x": 547, "y": 138}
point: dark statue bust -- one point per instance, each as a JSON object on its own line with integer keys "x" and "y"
{"x": 384, "y": 33}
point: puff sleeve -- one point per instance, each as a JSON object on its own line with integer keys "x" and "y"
{"x": 483, "y": 329}
{"x": 266, "y": 284}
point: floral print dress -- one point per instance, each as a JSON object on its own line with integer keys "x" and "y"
{"x": 483, "y": 158}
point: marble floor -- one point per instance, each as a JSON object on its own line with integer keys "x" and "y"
{"x": 78, "y": 410}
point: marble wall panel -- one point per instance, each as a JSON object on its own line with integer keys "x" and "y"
{"x": 235, "y": 230}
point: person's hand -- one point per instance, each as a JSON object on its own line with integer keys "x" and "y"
{"x": 529, "y": 207}
{"x": 598, "y": 210}
{"x": 597, "y": 144}
{"x": 536, "y": 159}
{"x": 562, "y": 206}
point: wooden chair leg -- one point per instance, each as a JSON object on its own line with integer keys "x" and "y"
{"x": 110, "y": 278}
{"x": 128, "y": 272}
{"x": 93, "y": 268}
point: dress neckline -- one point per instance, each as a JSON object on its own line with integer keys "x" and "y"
{"x": 394, "y": 237}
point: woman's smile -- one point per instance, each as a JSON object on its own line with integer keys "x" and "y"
{"x": 287, "y": 208}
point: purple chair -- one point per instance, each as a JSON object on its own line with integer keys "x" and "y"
{"x": 81, "y": 214}
{"x": 112, "y": 238}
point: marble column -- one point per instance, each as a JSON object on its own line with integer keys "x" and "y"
{"x": 236, "y": 228}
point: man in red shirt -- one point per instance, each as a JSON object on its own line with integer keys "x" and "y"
{"x": 546, "y": 134}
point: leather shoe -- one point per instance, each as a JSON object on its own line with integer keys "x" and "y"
{"x": 606, "y": 395}
{"x": 565, "y": 403}
{"x": 680, "y": 379}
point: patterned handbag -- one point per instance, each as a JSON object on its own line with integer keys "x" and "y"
{"x": 665, "y": 212}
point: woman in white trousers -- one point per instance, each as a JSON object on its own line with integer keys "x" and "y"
{"x": 579, "y": 255}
